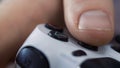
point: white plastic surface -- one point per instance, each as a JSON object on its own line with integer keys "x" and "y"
{"x": 59, "y": 53}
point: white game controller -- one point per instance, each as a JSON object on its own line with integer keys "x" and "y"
{"x": 49, "y": 47}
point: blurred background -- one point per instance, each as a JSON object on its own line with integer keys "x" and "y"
{"x": 117, "y": 16}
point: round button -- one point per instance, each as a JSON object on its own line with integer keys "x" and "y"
{"x": 58, "y": 35}
{"x": 105, "y": 62}
{"x": 90, "y": 47}
{"x": 116, "y": 48}
{"x": 117, "y": 38}
{"x": 30, "y": 57}
{"x": 79, "y": 53}
{"x": 51, "y": 27}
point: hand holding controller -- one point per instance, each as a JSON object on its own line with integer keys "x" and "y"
{"x": 49, "y": 47}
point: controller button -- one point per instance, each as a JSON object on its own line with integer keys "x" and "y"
{"x": 100, "y": 63}
{"x": 51, "y": 27}
{"x": 116, "y": 48}
{"x": 58, "y": 35}
{"x": 30, "y": 57}
{"x": 78, "y": 53}
{"x": 90, "y": 47}
{"x": 117, "y": 38}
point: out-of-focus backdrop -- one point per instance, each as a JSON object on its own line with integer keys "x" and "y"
{"x": 117, "y": 16}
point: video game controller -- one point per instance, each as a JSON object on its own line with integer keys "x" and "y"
{"x": 49, "y": 47}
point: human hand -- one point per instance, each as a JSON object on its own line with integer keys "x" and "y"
{"x": 90, "y": 21}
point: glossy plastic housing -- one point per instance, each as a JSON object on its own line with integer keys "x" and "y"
{"x": 59, "y": 54}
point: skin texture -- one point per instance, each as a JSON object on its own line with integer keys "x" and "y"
{"x": 17, "y": 21}
{"x": 75, "y": 8}
{"x": 19, "y": 17}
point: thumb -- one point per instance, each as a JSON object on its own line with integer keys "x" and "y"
{"x": 90, "y": 21}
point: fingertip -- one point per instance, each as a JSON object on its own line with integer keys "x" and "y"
{"x": 90, "y": 23}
